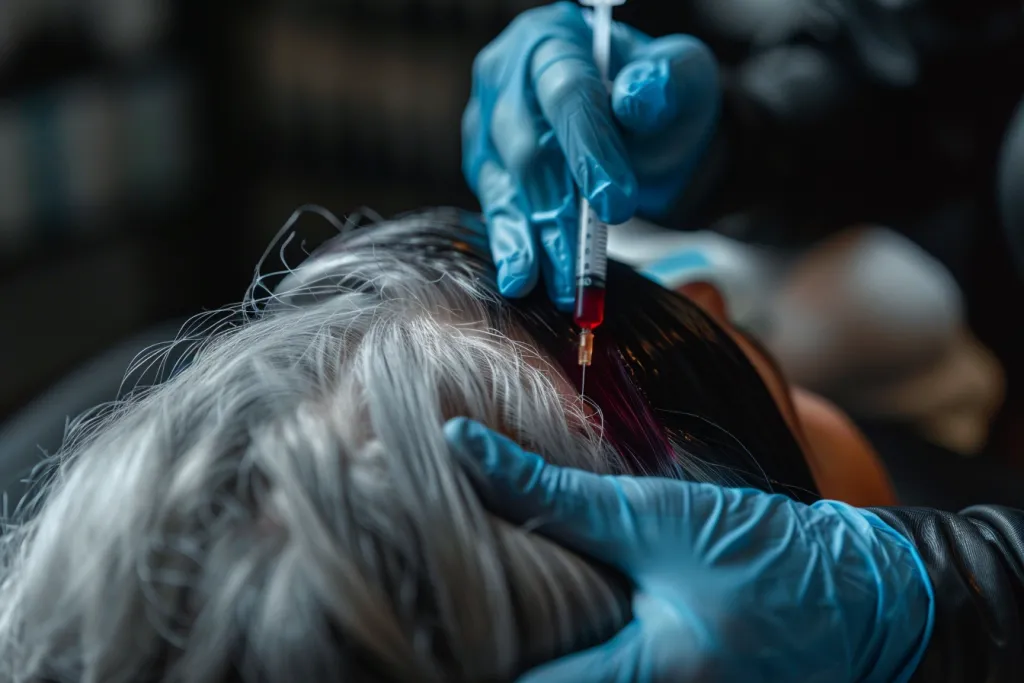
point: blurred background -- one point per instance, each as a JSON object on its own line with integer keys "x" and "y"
{"x": 151, "y": 149}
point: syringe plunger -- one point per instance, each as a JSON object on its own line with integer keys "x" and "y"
{"x": 602, "y": 32}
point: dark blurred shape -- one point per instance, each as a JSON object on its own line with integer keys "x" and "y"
{"x": 1011, "y": 185}
{"x": 794, "y": 83}
{"x": 928, "y": 475}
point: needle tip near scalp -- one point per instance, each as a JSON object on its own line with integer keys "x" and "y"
{"x": 586, "y": 347}
{"x": 586, "y": 353}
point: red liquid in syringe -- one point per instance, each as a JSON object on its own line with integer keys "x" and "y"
{"x": 589, "y": 307}
{"x": 589, "y": 314}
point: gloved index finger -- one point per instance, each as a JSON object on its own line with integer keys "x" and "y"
{"x": 586, "y": 512}
{"x": 575, "y": 101}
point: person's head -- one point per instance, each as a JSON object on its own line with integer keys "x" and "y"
{"x": 285, "y": 507}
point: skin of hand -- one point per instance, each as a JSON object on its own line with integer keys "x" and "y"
{"x": 731, "y": 584}
{"x": 540, "y": 123}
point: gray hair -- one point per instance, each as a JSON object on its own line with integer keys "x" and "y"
{"x": 286, "y": 508}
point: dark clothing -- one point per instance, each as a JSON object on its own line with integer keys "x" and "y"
{"x": 976, "y": 563}
{"x": 928, "y": 475}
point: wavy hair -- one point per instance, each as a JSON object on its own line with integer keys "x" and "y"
{"x": 285, "y": 508}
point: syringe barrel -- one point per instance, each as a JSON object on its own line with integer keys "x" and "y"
{"x": 591, "y": 268}
{"x": 592, "y": 255}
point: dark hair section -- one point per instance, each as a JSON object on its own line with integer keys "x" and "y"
{"x": 678, "y": 396}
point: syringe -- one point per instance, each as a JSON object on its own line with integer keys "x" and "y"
{"x": 592, "y": 260}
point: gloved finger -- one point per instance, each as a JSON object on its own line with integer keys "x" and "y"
{"x": 671, "y": 120}
{"x": 574, "y": 100}
{"x": 606, "y": 663}
{"x": 552, "y": 200}
{"x": 665, "y": 79}
{"x": 509, "y": 233}
{"x": 558, "y": 240}
{"x": 474, "y": 143}
{"x": 530, "y": 152}
{"x": 589, "y": 513}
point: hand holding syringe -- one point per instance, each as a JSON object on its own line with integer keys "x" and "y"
{"x": 539, "y": 132}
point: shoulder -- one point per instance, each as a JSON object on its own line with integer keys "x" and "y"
{"x": 842, "y": 460}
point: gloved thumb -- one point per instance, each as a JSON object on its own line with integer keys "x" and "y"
{"x": 610, "y": 662}
{"x": 666, "y": 80}
{"x": 589, "y": 513}
{"x": 660, "y": 644}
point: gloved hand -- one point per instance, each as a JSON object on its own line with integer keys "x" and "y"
{"x": 540, "y": 121}
{"x": 731, "y": 584}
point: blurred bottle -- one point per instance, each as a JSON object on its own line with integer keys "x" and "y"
{"x": 15, "y": 197}
{"x": 157, "y": 138}
{"x": 45, "y": 163}
{"x": 129, "y": 28}
{"x": 12, "y": 26}
{"x": 89, "y": 123}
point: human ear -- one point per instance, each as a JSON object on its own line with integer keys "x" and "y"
{"x": 708, "y": 297}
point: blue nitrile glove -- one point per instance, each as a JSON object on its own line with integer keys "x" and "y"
{"x": 731, "y": 584}
{"x": 540, "y": 121}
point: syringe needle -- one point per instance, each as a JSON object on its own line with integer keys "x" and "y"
{"x": 586, "y": 354}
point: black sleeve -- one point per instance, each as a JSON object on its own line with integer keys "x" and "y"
{"x": 976, "y": 563}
